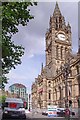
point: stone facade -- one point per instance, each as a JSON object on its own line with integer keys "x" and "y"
{"x": 49, "y": 87}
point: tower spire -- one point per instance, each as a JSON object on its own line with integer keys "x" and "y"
{"x": 56, "y": 5}
{"x": 42, "y": 67}
{"x": 56, "y": 10}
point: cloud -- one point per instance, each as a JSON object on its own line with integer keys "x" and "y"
{"x": 32, "y": 38}
{"x": 33, "y": 34}
{"x": 31, "y": 56}
{"x": 16, "y": 76}
{"x": 23, "y": 76}
{"x": 33, "y": 45}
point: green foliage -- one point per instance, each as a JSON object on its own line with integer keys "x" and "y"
{"x": 3, "y": 98}
{"x": 13, "y": 14}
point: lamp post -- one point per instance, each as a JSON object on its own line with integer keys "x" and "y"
{"x": 66, "y": 71}
{"x": 39, "y": 101}
{"x": 29, "y": 101}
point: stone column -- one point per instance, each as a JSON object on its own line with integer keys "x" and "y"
{"x": 44, "y": 93}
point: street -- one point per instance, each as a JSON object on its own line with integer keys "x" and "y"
{"x": 45, "y": 119}
{"x": 34, "y": 116}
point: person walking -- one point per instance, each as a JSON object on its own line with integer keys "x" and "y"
{"x": 67, "y": 114}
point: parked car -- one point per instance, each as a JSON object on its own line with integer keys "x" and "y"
{"x": 13, "y": 108}
{"x": 45, "y": 112}
{"x": 52, "y": 112}
{"x": 60, "y": 112}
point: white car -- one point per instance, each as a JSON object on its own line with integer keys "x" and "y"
{"x": 13, "y": 108}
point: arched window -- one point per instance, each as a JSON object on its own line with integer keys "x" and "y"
{"x": 70, "y": 89}
{"x": 66, "y": 50}
{"x": 69, "y": 93}
{"x": 79, "y": 88}
{"x": 49, "y": 83}
{"x": 77, "y": 67}
{"x": 56, "y": 94}
{"x": 61, "y": 52}
{"x": 49, "y": 103}
{"x": 57, "y": 54}
{"x": 56, "y": 20}
{"x": 60, "y": 91}
{"x": 56, "y": 24}
{"x": 70, "y": 73}
{"x": 49, "y": 94}
{"x": 60, "y": 22}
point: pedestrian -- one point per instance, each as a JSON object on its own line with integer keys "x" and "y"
{"x": 67, "y": 114}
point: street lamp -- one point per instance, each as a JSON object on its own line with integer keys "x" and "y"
{"x": 29, "y": 101}
{"x": 39, "y": 101}
{"x": 66, "y": 71}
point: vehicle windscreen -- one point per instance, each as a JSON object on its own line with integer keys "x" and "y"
{"x": 14, "y": 105}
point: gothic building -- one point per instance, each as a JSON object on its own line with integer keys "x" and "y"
{"x": 49, "y": 87}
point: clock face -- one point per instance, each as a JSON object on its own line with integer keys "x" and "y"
{"x": 61, "y": 36}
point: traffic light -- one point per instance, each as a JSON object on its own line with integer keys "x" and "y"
{"x": 70, "y": 103}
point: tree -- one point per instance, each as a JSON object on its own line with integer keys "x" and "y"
{"x": 13, "y": 14}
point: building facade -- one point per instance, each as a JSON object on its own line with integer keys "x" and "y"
{"x": 49, "y": 87}
{"x": 20, "y": 90}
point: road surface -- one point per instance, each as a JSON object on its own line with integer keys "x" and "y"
{"x": 35, "y": 116}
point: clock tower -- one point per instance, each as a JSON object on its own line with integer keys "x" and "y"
{"x": 58, "y": 41}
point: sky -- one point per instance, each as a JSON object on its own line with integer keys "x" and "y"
{"x": 32, "y": 38}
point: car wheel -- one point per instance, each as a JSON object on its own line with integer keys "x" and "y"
{"x": 3, "y": 117}
{"x": 24, "y": 117}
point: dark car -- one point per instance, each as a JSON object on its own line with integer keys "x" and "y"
{"x": 60, "y": 112}
{"x": 13, "y": 108}
{"x": 45, "y": 112}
